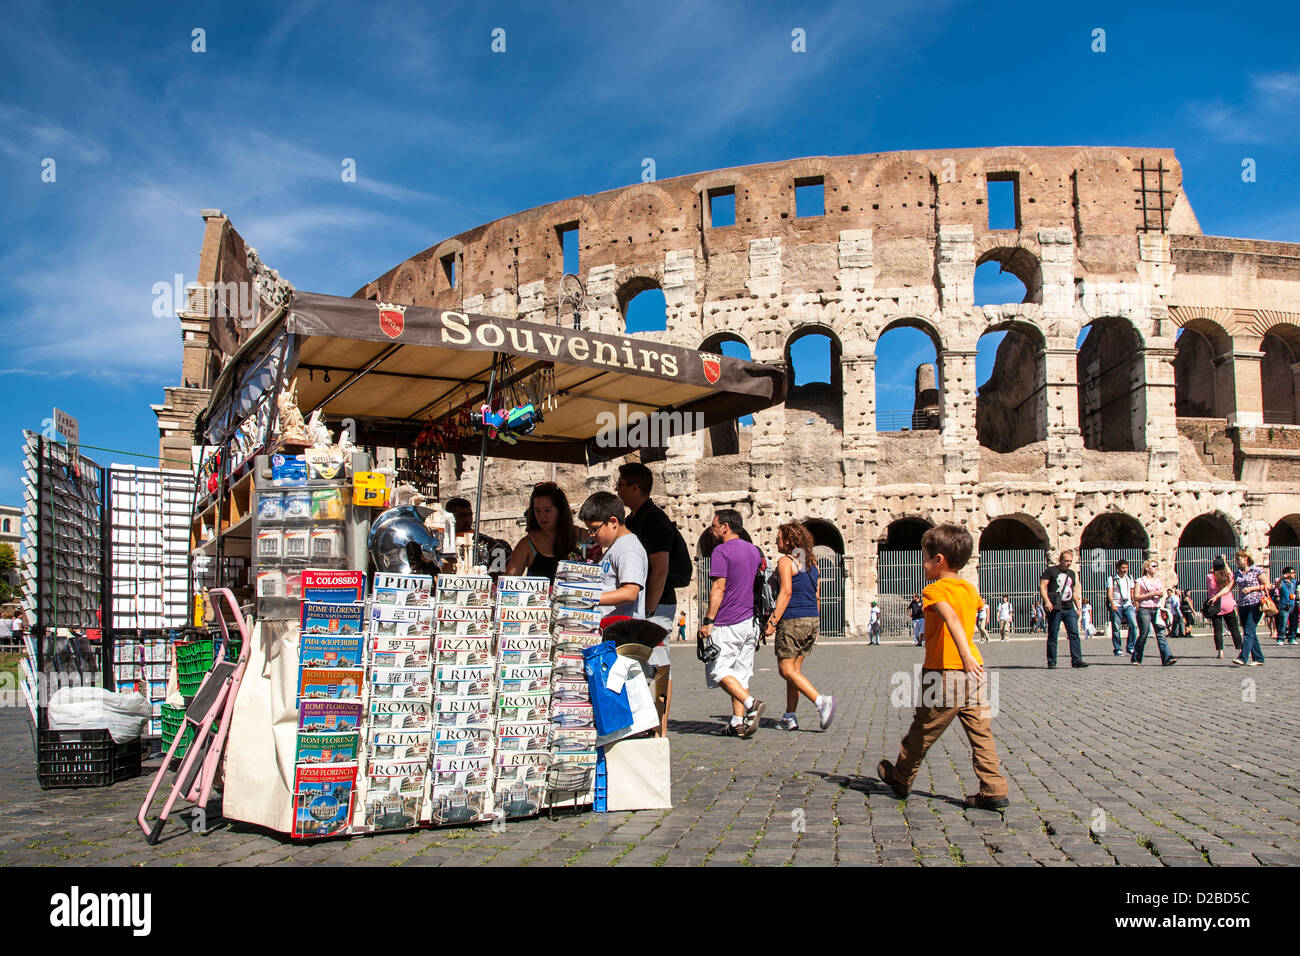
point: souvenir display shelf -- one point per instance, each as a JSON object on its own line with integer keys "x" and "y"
{"x": 295, "y": 526}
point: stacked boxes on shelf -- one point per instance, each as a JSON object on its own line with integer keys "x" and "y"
{"x": 399, "y": 701}
{"x": 576, "y": 597}
{"x": 459, "y": 782}
{"x": 524, "y": 673}
{"x": 149, "y": 516}
{"x": 331, "y": 674}
{"x": 62, "y": 495}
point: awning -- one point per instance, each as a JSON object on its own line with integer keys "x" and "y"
{"x": 406, "y": 365}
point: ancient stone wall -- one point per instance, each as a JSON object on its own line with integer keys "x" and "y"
{"x": 1059, "y": 436}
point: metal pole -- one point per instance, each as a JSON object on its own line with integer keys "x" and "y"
{"x": 38, "y": 628}
{"x": 482, "y": 459}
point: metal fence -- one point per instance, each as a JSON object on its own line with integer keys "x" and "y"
{"x": 1014, "y": 573}
{"x": 1095, "y": 566}
{"x": 1193, "y": 564}
{"x": 830, "y": 598}
{"x": 898, "y": 576}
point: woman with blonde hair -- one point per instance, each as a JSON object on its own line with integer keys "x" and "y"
{"x": 1252, "y": 585}
{"x": 1148, "y": 592}
{"x": 794, "y": 621}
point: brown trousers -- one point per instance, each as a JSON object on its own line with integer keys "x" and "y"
{"x": 945, "y": 695}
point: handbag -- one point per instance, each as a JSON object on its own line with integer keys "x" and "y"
{"x": 1212, "y": 607}
{"x": 1267, "y": 604}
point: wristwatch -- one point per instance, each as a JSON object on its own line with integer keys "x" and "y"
{"x": 706, "y": 622}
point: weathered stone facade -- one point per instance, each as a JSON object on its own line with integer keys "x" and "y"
{"x": 1139, "y": 421}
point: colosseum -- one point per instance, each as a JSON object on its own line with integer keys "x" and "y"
{"x": 1143, "y": 399}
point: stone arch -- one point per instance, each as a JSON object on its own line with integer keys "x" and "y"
{"x": 903, "y": 533}
{"x": 1203, "y": 385}
{"x": 724, "y": 437}
{"x": 926, "y": 411}
{"x": 1278, "y": 370}
{"x": 670, "y": 211}
{"x": 836, "y": 190}
{"x": 898, "y": 195}
{"x": 1018, "y": 532}
{"x": 825, "y": 399}
{"x": 438, "y": 273}
{"x": 630, "y": 282}
{"x": 1211, "y": 530}
{"x": 1112, "y": 385}
{"x": 742, "y": 186}
{"x": 409, "y": 285}
{"x": 1285, "y": 532}
{"x": 826, "y": 536}
{"x": 1022, "y": 261}
{"x": 1114, "y": 530}
{"x": 1011, "y": 406}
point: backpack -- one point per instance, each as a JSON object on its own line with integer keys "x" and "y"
{"x": 764, "y": 599}
{"x": 680, "y": 567}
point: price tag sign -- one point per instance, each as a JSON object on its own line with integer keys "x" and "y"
{"x": 68, "y": 427}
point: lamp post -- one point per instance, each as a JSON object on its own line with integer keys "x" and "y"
{"x": 574, "y": 294}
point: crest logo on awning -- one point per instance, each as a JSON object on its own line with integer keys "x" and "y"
{"x": 392, "y": 319}
{"x": 712, "y": 367}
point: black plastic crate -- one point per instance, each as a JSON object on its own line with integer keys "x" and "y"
{"x": 84, "y": 758}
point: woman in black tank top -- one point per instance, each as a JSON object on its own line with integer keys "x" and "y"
{"x": 551, "y": 536}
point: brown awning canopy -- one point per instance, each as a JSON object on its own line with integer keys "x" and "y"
{"x": 405, "y": 365}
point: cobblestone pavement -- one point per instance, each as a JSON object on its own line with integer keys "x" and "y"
{"x": 1191, "y": 765}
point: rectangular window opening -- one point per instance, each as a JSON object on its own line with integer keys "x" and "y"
{"x": 568, "y": 236}
{"x": 449, "y": 269}
{"x": 722, "y": 207}
{"x": 1004, "y": 200}
{"x": 809, "y": 197}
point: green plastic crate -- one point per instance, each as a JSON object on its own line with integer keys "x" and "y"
{"x": 172, "y": 719}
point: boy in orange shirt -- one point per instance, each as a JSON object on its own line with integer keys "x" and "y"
{"x": 953, "y": 675}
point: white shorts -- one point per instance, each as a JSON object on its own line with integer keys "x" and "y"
{"x": 736, "y": 646}
{"x": 666, "y": 617}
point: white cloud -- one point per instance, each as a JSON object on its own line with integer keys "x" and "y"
{"x": 1267, "y": 114}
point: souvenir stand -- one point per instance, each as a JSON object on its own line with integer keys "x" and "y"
{"x": 383, "y": 699}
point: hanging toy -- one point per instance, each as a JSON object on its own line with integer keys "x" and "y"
{"x": 507, "y": 424}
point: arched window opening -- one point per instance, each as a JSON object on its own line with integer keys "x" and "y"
{"x": 645, "y": 310}
{"x": 1204, "y": 537}
{"x": 1011, "y": 383}
{"x": 733, "y": 437}
{"x": 1013, "y": 553}
{"x": 816, "y": 382}
{"x": 1194, "y": 376}
{"x": 899, "y": 574}
{"x": 828, "y": 552}
{"x": 1112, "y": 386}
{"x": 1008, "y": 276}
{"x": 908, "y": 384}
{"x": 1107, "y": 539}
{"x": 1278, "y": 372}
{"x": 1284, "y": 545}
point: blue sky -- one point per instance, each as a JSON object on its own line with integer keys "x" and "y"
{"x": 447, "y": 134}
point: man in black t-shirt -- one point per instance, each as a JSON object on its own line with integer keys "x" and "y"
{"x": 917, "y": 614}
{"x": 657, "y": 534}
{"x": 1059, "y": 588}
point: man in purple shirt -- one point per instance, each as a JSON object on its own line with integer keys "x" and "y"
{"x": 730, "y": 623}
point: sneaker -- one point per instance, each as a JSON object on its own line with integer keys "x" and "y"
{"x": 885, "y": 771}
{"x": 750, "y": 723}
{"x": 1280, "y": 642}
{"x": 733, "y": 730}
{"x": 1254, "y": 663}
{"x": 826, "y": 711}
{"x": 985, "y": 802}
{"x": 1051, "y": 666}
{"x": 1170, "y": 662}
{"x": 1117, "y": 653}
{"x": 1239, "y": 662}
{"x": 788, "y": 722}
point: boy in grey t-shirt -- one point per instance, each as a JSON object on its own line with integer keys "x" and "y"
{"x": 624, "y": 564}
